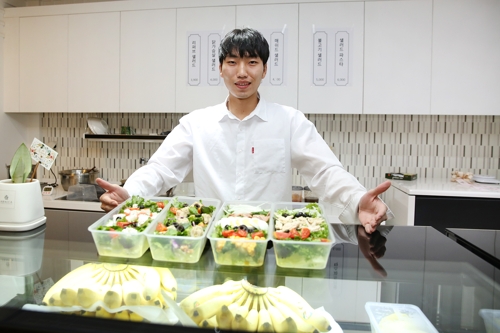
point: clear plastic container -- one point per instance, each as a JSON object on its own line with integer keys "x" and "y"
{"x": 391, "y": 317}
{"x": 180, "y": 248}
{"x": 309, "y": 196}
{"x": 301, "y": 254}
{"x": 239, "y": 252}
{"x": 491, "y": 320}
{"x": 121, "y": 244}
{"x": 297, "y": 193}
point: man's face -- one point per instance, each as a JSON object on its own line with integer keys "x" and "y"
{"x": 242, "y": 76}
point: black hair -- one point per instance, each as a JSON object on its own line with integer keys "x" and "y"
{"x": 245, "y": 42}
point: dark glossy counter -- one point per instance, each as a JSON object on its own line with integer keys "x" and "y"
{"x": 417, "y": 265}
{"x": 483, "y": 242}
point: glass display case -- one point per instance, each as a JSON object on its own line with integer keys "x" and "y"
{"x": 416, "y": 267}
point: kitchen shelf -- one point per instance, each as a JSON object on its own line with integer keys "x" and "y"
{"x": 124, "y": 137}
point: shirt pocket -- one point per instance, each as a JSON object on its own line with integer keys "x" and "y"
{"x": 268, "y": 156}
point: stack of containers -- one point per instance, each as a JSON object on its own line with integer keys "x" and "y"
{"x": 186, "y": 249}
{"x": 239, "y": 251}
{"x": 122, "y": 244}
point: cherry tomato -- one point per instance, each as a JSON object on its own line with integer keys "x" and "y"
{"x": 304, "y": 233}
{"x": 122, "y": 224}
{"x": 173, "y": 209}
{"x": 160, "y": 204}
{"x": 160, "y": 227}
{"x": 281, "y": 235}
{"x": 242, "y": 233}
{"x": 294, "y": 233}
{"x": 257, "y": 234}
{"x": 325, "y": 240}
{"x": 227, "y": 233}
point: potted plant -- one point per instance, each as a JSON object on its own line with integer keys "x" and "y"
{"x": 21, "y": 203}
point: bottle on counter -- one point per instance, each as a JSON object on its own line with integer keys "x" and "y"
{"x": 309, "y": 196}
{"x": 297, "y": 195}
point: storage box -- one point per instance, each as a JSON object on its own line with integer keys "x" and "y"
{"x": 297, "y": 253}
{"x": 391, "y": 317}
{"x": 239, "y": 252}
{"x": 491, "y": 320}
{"x": 401, "y": 176}
{"x": 121, "y": 244}
{"x": 180, "y": 248}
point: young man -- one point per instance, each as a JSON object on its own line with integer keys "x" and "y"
{"x": 245, "y": 148}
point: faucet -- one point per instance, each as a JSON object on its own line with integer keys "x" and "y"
{"x": 143, "y": 161}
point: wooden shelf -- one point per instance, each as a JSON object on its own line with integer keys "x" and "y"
{"x": 124, "y": 137}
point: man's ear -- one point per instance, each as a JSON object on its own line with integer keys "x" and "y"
{"x": 220, "y": 69}
{"x": 265, "y": 71}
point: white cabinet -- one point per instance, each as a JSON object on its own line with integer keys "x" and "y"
{"x": 398, "y": 41}
{"x": 279, "y": 24}
{"x": 11, "y": 65}
{"x": 199, "y": 21}
{"x": 43, "y": 64}
{"x": 147, "y": 61}
{"x": 93, "y": 62}
{"x": 465, "y": 57}
{"x": 321, "y": 92}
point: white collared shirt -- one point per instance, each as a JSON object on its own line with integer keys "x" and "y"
{"x": 249, "y": 159}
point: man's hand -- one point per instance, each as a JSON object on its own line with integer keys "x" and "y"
{"x": 372, "y": 211}
{"x": 114, "y": 195}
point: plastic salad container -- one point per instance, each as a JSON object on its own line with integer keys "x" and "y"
{"x": 491, "y": 320}
{"x": 391, "y": 317}
{"x": 240, "y": 233}
{"x": 302, "y": 238}
{"x": 122, "y": 232}
{"x": 180, "y": 232}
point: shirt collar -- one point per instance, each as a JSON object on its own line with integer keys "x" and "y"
{"x": 259, "y": 111}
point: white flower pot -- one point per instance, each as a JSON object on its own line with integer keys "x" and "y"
{"x": 21, "y": 205}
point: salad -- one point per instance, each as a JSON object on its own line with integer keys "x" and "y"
{"x": 242, "y": 226}
{"x": 179, "y": 237}
{"x": 301, "y": 237}
{"x": 304, "y": 224}
{"x": 185, "y": 220}
{"x": 134, "y": 216}
{"x": 123, "y": 234}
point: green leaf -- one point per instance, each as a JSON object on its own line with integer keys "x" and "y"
{"x": 20, "y": 167}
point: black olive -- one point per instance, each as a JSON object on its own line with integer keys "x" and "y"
{"x": 184, "y": 205}
{"x": 243, "y": 227}
{"x": 141, "y": 207}
{"x": 179, "y": 228}
{"x": 299, "y": 214}
{"x": 250, "y": 230}
{"x": 197, "y": 205}
{"x": 236, "y": 228}
{"x": 284, "y": 215}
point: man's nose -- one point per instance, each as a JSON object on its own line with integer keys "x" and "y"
{"x": 242, "y": 70}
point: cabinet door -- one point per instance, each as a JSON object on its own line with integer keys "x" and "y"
{"x": 198, "y": 22}
{"x": 147, "y": 61}
{"x": 465, "y": 57}
{"x": 327, "y": 91}
{"x": 94, "y": 57}
{"x": 398, "y": 40}
{"x": 57, "y": 225}
{"x": 11, "y": 65}
{"x": 279, "y": 24}
{"x": 44, "y": 64}
{"x": 78, "y": 224}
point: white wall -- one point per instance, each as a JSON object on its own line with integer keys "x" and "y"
{"x": 14, "y": 129}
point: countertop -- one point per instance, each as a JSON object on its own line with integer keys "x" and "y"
{"x": 50, "y": 201}
{"x": 418, "y": 266}
{"x": 445, "y": 187}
